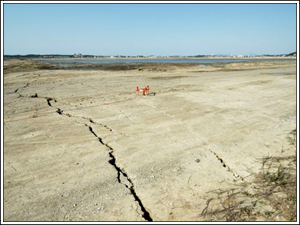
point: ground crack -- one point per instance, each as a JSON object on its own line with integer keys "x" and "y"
{"x": 59, "y": 111}
{"x": 49, "y": 101}
{"x": 35, "y": 95}
{"x": 120, "y": 171}
{"x": 16, "y": 91}
{"x": 103, "y": 125}
{"x": 227, "y": 167}
{"x": 112, "y": 161}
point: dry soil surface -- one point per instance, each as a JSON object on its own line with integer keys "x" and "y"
{"x": 80, "y": 145}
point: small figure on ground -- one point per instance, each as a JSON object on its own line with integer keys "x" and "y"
{"x": 144, "y": 91}
{"x": 137, "y": 91}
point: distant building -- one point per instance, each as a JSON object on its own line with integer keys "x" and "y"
{"x": 79, "y": 55}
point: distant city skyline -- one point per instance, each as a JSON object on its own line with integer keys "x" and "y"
{"x": 150, "y": 29}
{"x": 78, "y": 55}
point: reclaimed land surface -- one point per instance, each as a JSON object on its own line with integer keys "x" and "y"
{"x": 80, "y": 145}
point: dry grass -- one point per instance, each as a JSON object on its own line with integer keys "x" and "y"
{"x": 272, "y": 196}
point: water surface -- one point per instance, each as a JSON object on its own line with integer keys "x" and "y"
{"x": 179, "y": 61}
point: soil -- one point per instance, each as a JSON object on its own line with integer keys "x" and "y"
{"x": 81, "y": 145}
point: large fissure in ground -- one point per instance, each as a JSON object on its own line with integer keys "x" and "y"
{"x": 112, "y": 161}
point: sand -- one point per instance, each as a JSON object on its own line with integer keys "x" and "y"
{"x": 79, "y": 145}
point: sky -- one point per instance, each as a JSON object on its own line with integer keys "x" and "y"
{"x": 149, "y": 29}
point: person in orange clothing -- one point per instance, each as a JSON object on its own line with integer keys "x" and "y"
{"x": 137, "y": 91}
{"x": 144, "y": 91}
{"x": 147, "y": 89}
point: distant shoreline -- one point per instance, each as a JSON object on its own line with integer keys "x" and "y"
{"x": 160, "y": 58}
{"x": 132, "y": 64}
{"x": 56, "y": 57}
{"x": 179, "y": 60}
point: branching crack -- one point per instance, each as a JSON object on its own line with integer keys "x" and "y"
{"x": 112, "y": 160}
{"x": 59, "y": 111}
{"x": 120, "y": 171}
{"x": 35, "y": 95}
{"x": 103, "y": 125}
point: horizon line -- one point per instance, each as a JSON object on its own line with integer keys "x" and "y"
{"x": 219, "y": 54}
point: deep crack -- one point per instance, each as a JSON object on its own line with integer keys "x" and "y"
{"x": 59, "y": 111}
{"x": 48, "y": 100}
{"x": 112, "y": 161}
{"x": 146, "y": 214}
{"x": 35, "y": 95}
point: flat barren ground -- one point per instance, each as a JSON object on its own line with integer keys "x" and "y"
{"x": 80, "y": 145}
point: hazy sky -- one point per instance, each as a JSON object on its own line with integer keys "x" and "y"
{"x": 149, "y": 29}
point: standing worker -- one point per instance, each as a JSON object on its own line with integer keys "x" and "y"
{"x": 147, "y": 89}
{"x": 137, "y": 91}
{"x": 144, "y": 90}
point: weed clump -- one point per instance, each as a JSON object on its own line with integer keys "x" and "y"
{"x": 272, "y": 196}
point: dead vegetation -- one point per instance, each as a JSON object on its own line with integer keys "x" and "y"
{"x": 272, "y": 196}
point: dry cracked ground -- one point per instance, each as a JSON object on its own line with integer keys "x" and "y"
{"x": 79, "y": 145}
